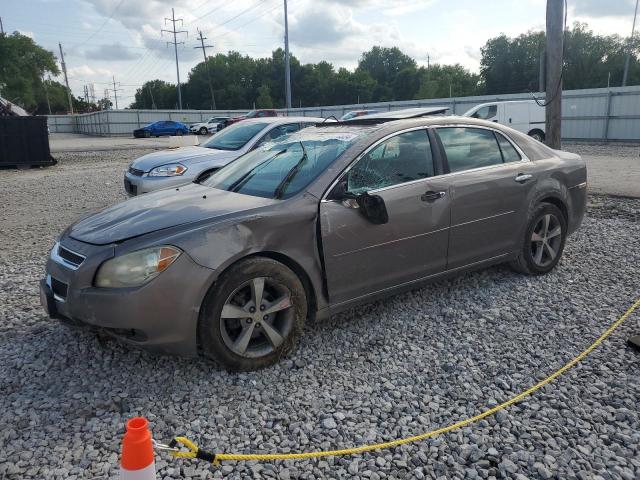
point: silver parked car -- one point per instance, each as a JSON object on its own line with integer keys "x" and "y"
{"x": 179, "y": 166}
{"x": 311, "y": 224}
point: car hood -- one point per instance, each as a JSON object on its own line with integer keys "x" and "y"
{"x": 186, "y": 156}
{"x": 159, "y": 210}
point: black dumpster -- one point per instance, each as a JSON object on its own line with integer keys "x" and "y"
{"x": 24, "y": 141}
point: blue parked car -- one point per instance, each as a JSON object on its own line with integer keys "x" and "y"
{"x": 163, "y": 127}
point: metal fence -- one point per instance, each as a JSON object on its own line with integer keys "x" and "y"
{"x": 598, "y": 114}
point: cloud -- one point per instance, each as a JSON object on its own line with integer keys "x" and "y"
{"x": 602, "y": 8}
{"x": 113, "y": 52}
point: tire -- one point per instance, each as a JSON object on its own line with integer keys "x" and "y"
{"x": 179, "y": 133}
{"x": 537, "y": 135}
{"x": 535, "y": 255}
{"x": 203, "y": 131}
{"x": 147, "y": 134}
{"x": 221, "y": 339}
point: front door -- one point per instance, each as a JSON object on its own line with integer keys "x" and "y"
{"x": 361, "y": 257}
{"x": 490, "y": 184}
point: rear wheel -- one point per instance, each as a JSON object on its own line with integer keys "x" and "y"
{"x": 253, "y": 316}
{"x": 543, "y": 242}
{"x": 203, "y": 131}
{"x": 537, "y": 135}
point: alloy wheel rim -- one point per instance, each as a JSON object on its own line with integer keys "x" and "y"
{"x": 545, "y": 240}
{"x": 257, "y": 317}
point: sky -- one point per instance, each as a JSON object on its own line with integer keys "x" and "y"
{"x": 103, "y": 39}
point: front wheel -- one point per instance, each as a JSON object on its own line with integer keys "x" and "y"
{"x": 543, "y": 242}
{"x": 179, "y": 133}
{"x": 203, "y": 131}
{"x": 253, "y": 315}
{"x": 147, "y": 134}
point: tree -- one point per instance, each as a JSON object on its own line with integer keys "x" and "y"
{"x": 23, "y": 65}
{"x": 264, "y": 97}
{"x": 156, "y": 92}
{"x": 511, "y": 65}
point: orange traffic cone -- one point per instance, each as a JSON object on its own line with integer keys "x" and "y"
{"x": 137, "y": 452}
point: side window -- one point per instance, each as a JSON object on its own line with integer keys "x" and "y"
{"x": 509, "y": 153}
{"x": 277, "y": 132}
{"x": 486, "y": 112}
{"x": 260, "y": 114}
{"x": 467, "y": 148}
{"x": 399, "y": 159}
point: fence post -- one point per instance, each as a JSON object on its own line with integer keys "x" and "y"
{"x": 605, "y": 135}
{"x": 138, "y": 117}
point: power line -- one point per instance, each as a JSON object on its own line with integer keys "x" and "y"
{"x": 175, "y": 47}
{"x": 103, "y": 24}
{"x": 206, "y": 66}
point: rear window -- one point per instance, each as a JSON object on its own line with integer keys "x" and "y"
{"x": 533, "y": 149}
{"x": 468, "y": 148}
{"x": 235, "y": 137}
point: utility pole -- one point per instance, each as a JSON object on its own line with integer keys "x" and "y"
{"x": 629, "y": 48}
{"x": 175, "y": 47}
{"x": 541, "y": 72}
{"x": 153, "y": 102}
{"x": 206, "y": 66}
{"x": 115, "y": 91}
{"x": 287, "y": 69}
{"x": 1, "y": 27}
{"x": 46, "y": 93}
{"x": 553, "y": 96}
{"x": 66, "y": 80}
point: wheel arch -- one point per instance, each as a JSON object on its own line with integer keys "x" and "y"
{"x": 557, "y": 202}
{"x": 287, "y": 261}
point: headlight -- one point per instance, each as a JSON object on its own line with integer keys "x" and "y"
{"x": 136, "y": 268}
{"x": 169, "y": 170}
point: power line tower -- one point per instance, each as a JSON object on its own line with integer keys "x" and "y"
{"x": 287, "y": 69}
{"x": 115, "y": 91}
{"x": 92, "y": 92}
{"x": 86, "y": 93}
{"x": 66, "y": 79}
{"x": 175, "y": 43}
{"x": 206, "y": 66}
{"x": 1, "y": 27}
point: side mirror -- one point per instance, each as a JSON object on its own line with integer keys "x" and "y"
{"x": 373, "y": 208}
{"x": 339, "y": 192}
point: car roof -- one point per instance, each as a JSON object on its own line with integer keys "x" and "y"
{"x": 279, "y": 120}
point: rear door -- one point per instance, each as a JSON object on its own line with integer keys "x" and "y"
{"x": 490, "y": 181}
{"x": 361, "y": 257}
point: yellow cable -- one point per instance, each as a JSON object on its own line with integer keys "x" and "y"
{"x": 402, "y": 441}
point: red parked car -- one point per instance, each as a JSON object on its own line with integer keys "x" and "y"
{"x": 266, "y": 112}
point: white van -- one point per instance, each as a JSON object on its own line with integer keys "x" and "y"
{"x": 525, "y": 116}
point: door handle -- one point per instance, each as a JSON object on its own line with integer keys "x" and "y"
{"x": 432, "y": 196}
{"x": 523, "y": 177}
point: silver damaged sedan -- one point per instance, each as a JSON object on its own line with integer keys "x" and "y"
{"x": 311, "y": 224}
{"x": 180, "y": 166}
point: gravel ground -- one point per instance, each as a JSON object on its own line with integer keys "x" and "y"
{"x": 391, "y": 369}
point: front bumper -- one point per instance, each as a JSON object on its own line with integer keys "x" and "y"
{"x": 161, "y": 315}
{"x": 137, "y": 185}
